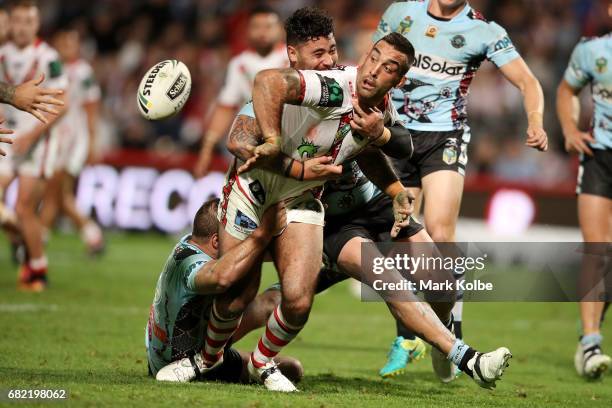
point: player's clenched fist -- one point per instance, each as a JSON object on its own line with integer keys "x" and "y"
{"x": 537, "y": 138}
{"x": 403, "y": 206}
{"x": 274, "y": 220}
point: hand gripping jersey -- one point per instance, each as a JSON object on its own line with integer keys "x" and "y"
{"x": 591, "y": 63}
{"x": 318, "y": 127}
{"x": 179, "y": 316}
{"x": 448, "y": 54}
{"x": 241, "y": 74}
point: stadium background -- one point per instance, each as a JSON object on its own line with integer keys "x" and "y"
{"x": 122, "y": 39}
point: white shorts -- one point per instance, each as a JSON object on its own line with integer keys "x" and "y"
{"x": 240, "y": 215}
{"x": 73, "y": 149}
{"x": 39, "y": 161}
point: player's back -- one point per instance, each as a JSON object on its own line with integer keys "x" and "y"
{"x": 448, "y": 54}
{"x": 590, "y": 64}
{"x": 178, "y": 316}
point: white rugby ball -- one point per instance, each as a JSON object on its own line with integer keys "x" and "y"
{"x": 164, "y": 89}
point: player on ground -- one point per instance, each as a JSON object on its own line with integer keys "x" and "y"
{"x": 264, "y": 34}
{"x": 451, "y": 41}
{"x": 77, "y": 131}
{"x": 33, "y": 154}
{"x": 590, "y": 65}
{"x": 192, "y": 276}
{"x": 315, "y": 131}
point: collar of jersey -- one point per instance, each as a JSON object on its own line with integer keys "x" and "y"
{"x": 463, "y": 12}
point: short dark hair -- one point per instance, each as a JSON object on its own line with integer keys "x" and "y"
{"x": 23, "y": 3}
{"x": 401, "y": 44}
{"x": 205, "y": 222}
{"x": 308, "y": 23}
{"x": 262, "y": 9}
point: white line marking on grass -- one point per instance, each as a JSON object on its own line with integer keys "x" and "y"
{"x": 27, "y": 307}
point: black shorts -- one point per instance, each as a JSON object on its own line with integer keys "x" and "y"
{"x": 433, "y": 151}
{"x": 595, "y": 174}
{"x": 230, "y": 370}
{"x": 373, "y": 222}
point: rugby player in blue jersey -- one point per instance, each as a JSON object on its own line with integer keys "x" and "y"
{"x": 451, "y": 40}
{"x": 590, "y": 65}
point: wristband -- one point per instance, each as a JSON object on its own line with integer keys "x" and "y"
{"x": 383, "y": 138}
{"x": 394, "y": 189}
{"x": 288, "y": 169}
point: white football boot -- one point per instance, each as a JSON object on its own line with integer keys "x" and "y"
{"x": 271, "y": 377}
{"x": 591, "y": 362}
{"x": 487, "y": 368}
{"x": 186, "y": 369}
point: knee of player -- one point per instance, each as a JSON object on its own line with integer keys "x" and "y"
{"x": 442, "y": 233}
{"x": 298, "y": 307}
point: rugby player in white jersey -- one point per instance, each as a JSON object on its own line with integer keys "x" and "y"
{"x": 264, "y": 34}
{"x": 77, "y": 132}
{"x": 33, "y": 153}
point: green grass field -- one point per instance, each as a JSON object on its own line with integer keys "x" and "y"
{"x": 85, "y": 335}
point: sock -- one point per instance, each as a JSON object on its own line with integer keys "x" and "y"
{"x": 461, "y": 354}
{"x": 218, "y": 333}
{"x": 38, "y": 266}
{"x": 278, "y": 334}
{"x": 591, "y": 340}
{"x": 403, "y": 331}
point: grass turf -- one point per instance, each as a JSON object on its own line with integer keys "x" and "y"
{"x": 85, "y": 335}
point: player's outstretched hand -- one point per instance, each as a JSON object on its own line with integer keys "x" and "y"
{"x": 403, "y": 206}
{"x": 321, "y": 168}
{"x": 274, "y": 220}
{"x": 4, "y": 139}
{"x": 262, "y": 156}
{"x": 537, "y": 138}
{"x": 578, "y": 142}
{"x": 369, "y": 124}
{"x": 30, "y": 97}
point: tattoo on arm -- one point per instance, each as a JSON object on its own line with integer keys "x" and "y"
{"x": 7, "y": 92}
{"x": 244, "y": 132}
{"x": 294, "y": 86}
{"x": 377, "y": 167}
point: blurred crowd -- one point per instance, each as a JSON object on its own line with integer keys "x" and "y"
{"x": 123, "y": 38}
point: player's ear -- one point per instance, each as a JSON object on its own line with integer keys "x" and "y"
{"x": 214, "y": 241}
{"x": 401, "y": 82}
{"x": 292, "y": 54}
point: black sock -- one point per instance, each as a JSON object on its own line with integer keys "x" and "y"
{"x": 403, "y": 331}
{"x": 469, "y": 354}
{"x": 458, "y": 330}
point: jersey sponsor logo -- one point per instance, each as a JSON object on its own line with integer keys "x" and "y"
{"x": 177, "y": 87}
{"x": 458, "y": 41}
{"x": 431, "y": 31}
{"x": 438, "y": 65}
{"x": 244, "y": 222}
{"x": 147, "y": 88}
{"x": 55, "y": 69}
{"x": 503, "y": 44}
{"x": 405, "y": 25}
{"x": 331, "y": 92}
{"x": 383, "y": 26}
{"x": 258, "y": 192}
{"x": 601, "y": 65}
{"x": 307, "y": 149}
{"x": 601, "y": 92}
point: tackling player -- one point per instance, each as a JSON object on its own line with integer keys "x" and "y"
{"x": 34, "y": 150}
{"x": 192, "y": 276}
{"x": 264, "y": 34}
{"x": 451, "y": 41}
{"x": 590, "y": 65}
{"x": 77, "y": 131}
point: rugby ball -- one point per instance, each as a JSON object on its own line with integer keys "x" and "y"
{"x": 164, "y": 89}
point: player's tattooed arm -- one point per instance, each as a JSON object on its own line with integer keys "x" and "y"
{"x": 7, "y": 93}
{"x": 244, "y": 137}
{"x": 274, "y": 88}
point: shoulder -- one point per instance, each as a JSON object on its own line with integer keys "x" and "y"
{"x": 47, "y": 51}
